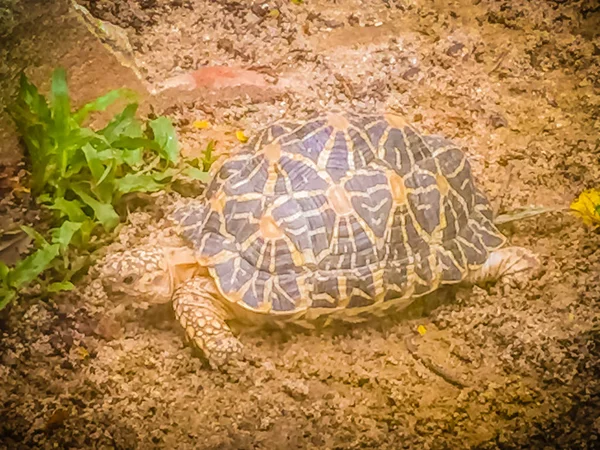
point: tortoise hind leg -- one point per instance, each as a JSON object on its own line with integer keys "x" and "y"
{"x": 512, "y": 265}
{"x": 197, "y": 308}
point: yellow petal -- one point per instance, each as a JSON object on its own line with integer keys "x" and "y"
{"x": 587, "y": 206}
{"x": 241, "y": 136}
{"x": 201, "y": 124}
{"x": 421, "y": 330}
{"x": 274, "y": 13}
{"x": 83, "y": 353}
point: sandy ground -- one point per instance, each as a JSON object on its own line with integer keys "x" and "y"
{"x": 517, "y": 83}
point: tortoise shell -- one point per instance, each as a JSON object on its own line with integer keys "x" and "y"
{"x": 340, "y": 212}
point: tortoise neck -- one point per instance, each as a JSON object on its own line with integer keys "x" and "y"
{"x": 182, "y": 265}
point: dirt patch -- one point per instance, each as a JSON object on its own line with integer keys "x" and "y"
{"x": 517, "y": 83}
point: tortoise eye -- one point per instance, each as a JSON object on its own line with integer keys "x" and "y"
{"x": 128, "y": 280}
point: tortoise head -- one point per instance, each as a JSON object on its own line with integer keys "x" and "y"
{"x": 150, "y": 273}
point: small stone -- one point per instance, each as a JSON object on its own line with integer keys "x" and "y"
{"x": 57, "y": 418}
{"x": 296, "y": 389}
{"x": 455, "y": 49}
{"x": 56, "y": 342}
{"x": 108, "y": 328}
{"x": 498, "y": 121}
{"x": 225, "y": 45}
{"x": 411, "y": 73}
{"x": 260, "y": 9}
{"x": 353, "y": 20}
{"x": 10, "y": 359}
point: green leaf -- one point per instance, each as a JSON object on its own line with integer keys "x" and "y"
{"x": 61, "y": 286}
{"x": 133, "y": 158}
{"x": 94, "y": 163}
{"x": 207, "y": 156}
{"x": 40, "y": 241}
{"x": 104, "y": 212}
{"x": 166, "y": 137}
{"x": 133, "y": 143}
{"x": 103, "y": 102}
{"x": 165, "y": 174}
{"x": 32, "y": 101}
{"x": 28, "y": 269}
{"x": 7, "y": 295}
{"x": 85, "y": 232}
{"x": 134, "y": 182}
{"x": 70, "y": 208}
{"x": 197, "y": 174}
{"x": 60, "y": 102}
{"x": 64, "y": 234}
{"x": 32, "y": 116}
{"x": 44, "y": 198}
{"x": 4, "y": 270}
{"x": 123, "y": 125}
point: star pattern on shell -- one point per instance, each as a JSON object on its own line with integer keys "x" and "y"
{"x": 342, "y": 211}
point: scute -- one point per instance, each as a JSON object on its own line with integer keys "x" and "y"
{"x": 356, "y": 216}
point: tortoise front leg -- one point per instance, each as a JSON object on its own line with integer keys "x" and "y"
{"x": 196, "y": 304}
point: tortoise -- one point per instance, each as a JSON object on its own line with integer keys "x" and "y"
{"x": 335, "y": 216}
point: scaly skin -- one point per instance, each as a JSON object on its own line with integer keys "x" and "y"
{"x": 514, "y": 266}
{"x": 198, "y": 309}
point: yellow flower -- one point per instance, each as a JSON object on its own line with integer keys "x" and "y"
{"x": 201, "y": 124}
{"x": 241, "y": 136}
{"x": 587, "y": 206}
{"x": 422, "y": 330}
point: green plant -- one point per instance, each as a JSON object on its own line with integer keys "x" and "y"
{"x": 81, "y": 175}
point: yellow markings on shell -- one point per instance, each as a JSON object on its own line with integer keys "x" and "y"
{"x": 443, "y": 184}
{"x": 265, "y": 305}
{"x": 217, "y": 203}
{"x": 396, "y": 120}
{"x": 272, "y": 152}
{"x": 339, "y": 200}
{"x": 378, "y": 283}
{"x": 343, "y": 290}
{"x": 338, "y": 122}
{"x": 234, "y": 296}
{"x": 269, "y": 228}
{"x": 326, "y": 152}
{"x": 443, "y": 188}
{"x": 397, "y": 188}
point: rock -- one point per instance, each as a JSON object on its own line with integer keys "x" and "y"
{"x": 411, "y": 73}
{"x": 108, "y": 328}
{"x": 57, "y": 418}
{"x": 498, "y": 121}
{"x": 215, "y": 77}
{"x": 296, "y": 389}
{"x": 455, "y": 49}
